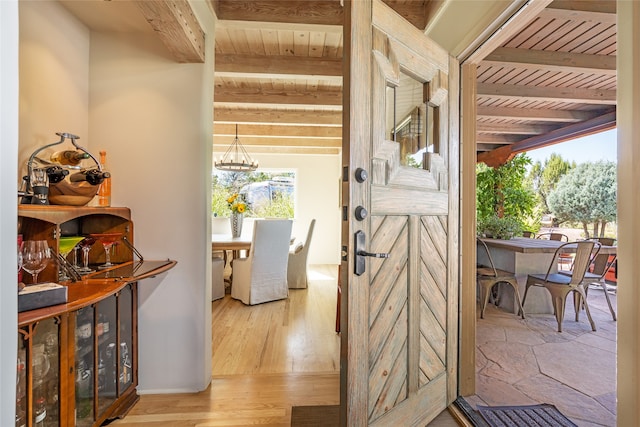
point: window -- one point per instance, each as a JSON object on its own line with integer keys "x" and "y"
{"x": 268, "y": 194}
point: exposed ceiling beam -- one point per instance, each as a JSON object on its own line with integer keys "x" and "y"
{"x": 552, "y": 61}
{"x": 552, "y": 94}
{"x": 282, "y": 131}
{"x": 279, "y": 66}
{"x": 252, "y": 141}
{"x": 258, "y": 115}
{"x": 512, "y": 128}
{"x": 587, "y": 11}
{"x": 537, "y": 114}
{"x": 177, "y": 27}
{"x": 485, "y": 138}
{"x": 277, "y": 97}
{"x": 503, "y": 154}
{"x": 217, "y": 149}
{"x": 291, "y": 11}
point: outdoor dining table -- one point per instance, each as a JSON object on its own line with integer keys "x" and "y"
{"x": 523, "y": 256}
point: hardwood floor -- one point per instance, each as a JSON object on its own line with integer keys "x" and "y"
{"x": 266, "y": 359}
{"x": 287, "y": 336}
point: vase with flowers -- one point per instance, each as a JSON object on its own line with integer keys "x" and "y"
{"x": 238, "y": 208}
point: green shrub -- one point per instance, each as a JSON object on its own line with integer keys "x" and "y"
{"x": 498, "y": 228}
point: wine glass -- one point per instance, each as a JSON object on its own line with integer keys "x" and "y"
{"x": 35, "y": 257}
{"x": 107, "y": 240}
{"x": 85, "y": 245}
{"x": 65, "y": 245}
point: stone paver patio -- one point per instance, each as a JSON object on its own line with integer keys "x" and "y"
{"x": 525, "y": 362}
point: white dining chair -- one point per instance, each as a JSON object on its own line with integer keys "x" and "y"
{"x": 297, "y": 268}
{"x": 262, "y": 276}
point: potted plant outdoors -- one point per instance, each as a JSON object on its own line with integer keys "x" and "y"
{"x": 496, "y": 227}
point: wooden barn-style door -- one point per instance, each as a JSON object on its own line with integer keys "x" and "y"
{"x": 400, "y": 228}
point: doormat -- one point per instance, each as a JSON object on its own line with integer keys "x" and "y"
{"x": 318, "y": 416}
{"x": 545, "y": 415}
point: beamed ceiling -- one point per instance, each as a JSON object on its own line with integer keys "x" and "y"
{"x": 278, "y": 71}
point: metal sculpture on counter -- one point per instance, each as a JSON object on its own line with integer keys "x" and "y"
{"x": 52, "y": 181}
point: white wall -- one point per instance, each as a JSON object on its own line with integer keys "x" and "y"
{"x": 8, "y": 208}
{"x": 54, "y": 78}
{"x": 317, "y": 187}
{"x": 153, "y": 117}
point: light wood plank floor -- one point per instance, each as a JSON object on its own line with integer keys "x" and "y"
{"x": 266, "y": 359}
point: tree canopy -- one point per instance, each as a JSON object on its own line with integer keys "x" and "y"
{"x": 503, "y": 191}
{"x": 587, "y": 194}
{"x": 544, "y": 177}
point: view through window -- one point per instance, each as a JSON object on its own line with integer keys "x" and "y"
{"x": 267, "y": 194}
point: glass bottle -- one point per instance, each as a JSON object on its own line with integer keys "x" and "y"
{"x": 40, "y": 413}
{"x": 104, "y": 192}
{"x": 68, "y": 157}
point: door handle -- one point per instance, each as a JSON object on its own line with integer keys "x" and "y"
{"x": 360, "y": 253}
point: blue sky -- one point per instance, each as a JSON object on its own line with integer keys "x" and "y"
{"x": 601, "y": 146}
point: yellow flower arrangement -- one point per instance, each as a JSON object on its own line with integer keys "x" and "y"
{"x": 236, "y": 204}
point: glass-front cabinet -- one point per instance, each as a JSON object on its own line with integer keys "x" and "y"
{"x": 38, "y": 374}
{"x": 77, "y": 361}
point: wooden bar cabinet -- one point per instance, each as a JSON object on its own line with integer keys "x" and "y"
{"x": 77, "y": 362}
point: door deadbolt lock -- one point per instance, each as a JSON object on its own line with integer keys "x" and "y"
{"x": 361, "y": 175}
{"x": 360, "y": 253}
{"x": 361, "y": 213}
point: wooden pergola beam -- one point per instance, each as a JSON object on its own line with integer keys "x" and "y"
{"x": 177, "y": 26}
{"x": 535, "y": 114}
{"x": 552, "y": 61}
{"x": 550, "y": 94}
{"x": 587, "y": 11}
{"x": 512, "y": 128}
{"x": 505, "y": 153}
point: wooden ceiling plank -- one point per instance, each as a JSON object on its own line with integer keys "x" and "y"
{"x": 552, "y": 61}
{"x": 538, "y": 114}
{"x": 414, "y": 11}
{"x": 292, "y": 11}
{"x": 585, "y": 96}
{"x": 514, "y": 24}
{"x": 178, "y": 28}
{"x": 536, "y": 30}
{"x": 255, "y": 115}
{"x": 279, "y": 65}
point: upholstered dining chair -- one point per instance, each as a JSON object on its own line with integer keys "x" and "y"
{"x": 560, "y": 285}
{"x": 217, "y": 276}
{"x": 262, "y": 276}
{"x": 297, "y": 267}
{"x": 489, "y": 276}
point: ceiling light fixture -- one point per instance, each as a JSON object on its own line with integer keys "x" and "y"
{"x": 236, "y": 158}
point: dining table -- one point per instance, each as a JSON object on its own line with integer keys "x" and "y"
{"x": 523, "y": 256}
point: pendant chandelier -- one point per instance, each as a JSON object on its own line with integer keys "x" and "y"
{"x": 236, "y": 158}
